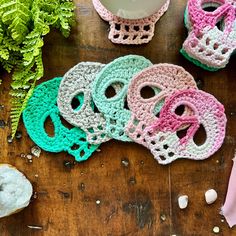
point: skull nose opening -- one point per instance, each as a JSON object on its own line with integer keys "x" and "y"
{"x": 77, "y": 102}
{"x": 221, "y": 24}
{"x": 94, "y": 107}
{"x": 182, "y": 132}
{"x": 49, "y": 127}
{"x": 126, "y": 104}
{"x": 200, "y": 136}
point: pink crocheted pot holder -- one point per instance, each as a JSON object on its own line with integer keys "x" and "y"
{"x": 126, "y": 31}
{"x": 163, "y": 79}
{"x": 164, "y": 138}
{"x": 212, "y": 35}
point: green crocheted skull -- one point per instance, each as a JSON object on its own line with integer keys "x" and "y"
{"x": 43, "y": 105}
{"x": 118, "y": 73}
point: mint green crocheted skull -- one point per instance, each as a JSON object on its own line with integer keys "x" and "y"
{"x": 43, "y": 105}
{"x": 118, "y": 73}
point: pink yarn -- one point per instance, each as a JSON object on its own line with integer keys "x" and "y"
{"x": 162, "y": 137}
{"x": 167, "y": 78}
{"x": 201, "y": 19}
{"x": 125, "y": 31}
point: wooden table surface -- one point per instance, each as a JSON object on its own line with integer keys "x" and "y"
{"x": 137, "y": 196}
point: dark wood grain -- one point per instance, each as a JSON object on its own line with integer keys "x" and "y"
{"x": 138, "y": 198}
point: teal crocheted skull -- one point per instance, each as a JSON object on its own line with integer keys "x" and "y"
{"x": 112, "y": 101}
{"x": 43, "y": 105}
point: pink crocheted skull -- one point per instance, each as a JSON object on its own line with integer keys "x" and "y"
{"x": 164, "y": 79}
{"x": 163, "y": 137}
{"x": 212, "y": 35}
{"x": 125, "y": 31}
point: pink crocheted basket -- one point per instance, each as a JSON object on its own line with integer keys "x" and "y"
{"x": 125, "y": 31}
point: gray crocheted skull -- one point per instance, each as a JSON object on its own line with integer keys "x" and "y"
{"x": 75, "y": 102}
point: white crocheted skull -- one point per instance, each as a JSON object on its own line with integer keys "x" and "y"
{"x": 75, "y": 101}
{"x": 168, "y": 141}
{"x": 212, "y": 34}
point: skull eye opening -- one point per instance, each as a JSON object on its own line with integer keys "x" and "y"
{"x": 77, "y": 102}
{"x": 211, "y": 6}
{"x": 113, "y": 89}
{"x": 49, "y": 127}
{"x": 180, "y": 110}
{"x": 147, "y": 92}
{"x": 183, "y": 110}
{"x": 200, "y": 136}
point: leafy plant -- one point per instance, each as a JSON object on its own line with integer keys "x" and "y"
{"x": 23, "y": 25}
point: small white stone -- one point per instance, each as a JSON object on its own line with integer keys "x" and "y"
{"x": 36, "y": 151}
{"x": 98, "y": 202}
{"x": 183, "y": 201}
{"x": 29, "y": 157}
{"x": 216, "y": 229}
{"x": 210, "y": 196}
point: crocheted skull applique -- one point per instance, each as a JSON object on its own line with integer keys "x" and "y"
{"x": 42, "y": 106}
{"x": 212, "y": 35}
{"x": 113, "y": 106}
{"x": 77, "y": 82}
{"x": 164, "y": 138}
{"x": 126, "y": 31}
{"x": 163, "y": 79}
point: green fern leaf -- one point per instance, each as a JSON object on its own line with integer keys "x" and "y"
{"x": 23, "y": 24}
{"x": 16, "y": 15}
{"x": 22, "y": 91}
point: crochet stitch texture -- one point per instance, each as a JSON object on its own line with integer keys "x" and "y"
{"x": 77, "y": 81}
{"x": 210, "y": 44}
{"x": 43, "y": 105}
{"x": 162, "y": 137}
{"x": 126, "y": 31}
{"x": 166, "y": 79}
{"x": 117, "y": 73}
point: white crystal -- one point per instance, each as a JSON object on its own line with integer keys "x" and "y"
{"x": 216, "y": 229}
{"x": 210, "y": 196}
{"x": 15, "y": 190}
{"x": 183, "y": 201}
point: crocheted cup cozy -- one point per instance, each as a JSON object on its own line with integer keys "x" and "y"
{"x": 77, "y": 81}
{"x": 163, "y": 137}
{"x": 126, "y": 31}
{"x": 117, "y": 73}
{"x": 212, "y": 35}
{"x": 43, "y": 105}
{"x": 164, "y": 79}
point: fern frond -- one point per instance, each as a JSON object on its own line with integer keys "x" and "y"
{"x": 23, "y": 86}
{"x": 4, "y": 53}
{"x": 16, "y": 15}
{"x": 66, "y": 17}
{"x": 23, "y": 24}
